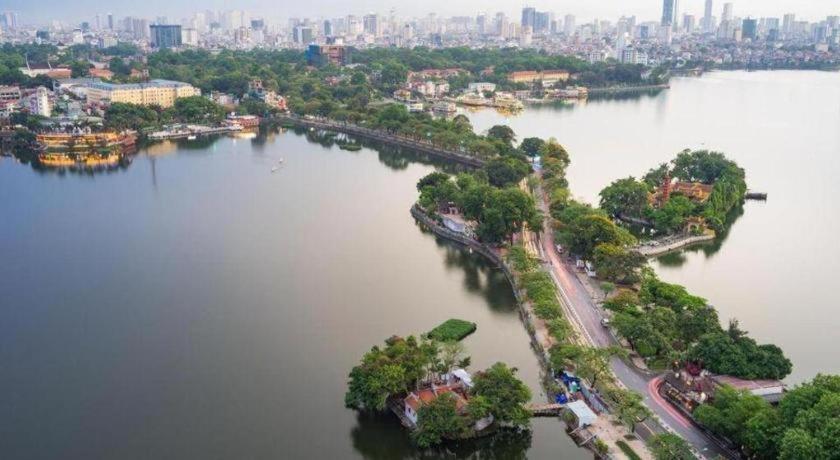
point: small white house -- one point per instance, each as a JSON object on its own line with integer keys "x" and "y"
{"x": 480, "y": 87}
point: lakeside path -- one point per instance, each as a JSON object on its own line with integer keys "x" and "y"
{"x": 419, "y": 145}
{"x": 588, "y": 317}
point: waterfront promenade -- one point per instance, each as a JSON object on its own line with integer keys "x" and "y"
{"x": 422, "y": 146}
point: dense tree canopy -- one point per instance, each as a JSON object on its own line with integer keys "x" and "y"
{"x": 504, "y": 393}
{"x": 625, "y": 197}
{"x": 733, "y": 353}
{"x": 805, "y": 424}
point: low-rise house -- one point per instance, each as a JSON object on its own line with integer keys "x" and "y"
{"x": 101, "y": 73}
{"x": 480, "y": 87}
{"x": 531, "y": 76}
{"x": 457, "y": 383}
{"x": 771, "y": 390}
{"x": 9, "y": 93}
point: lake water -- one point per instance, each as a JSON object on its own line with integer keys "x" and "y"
{"x": 195, "y": 305}
{"x": 775, "y": 268}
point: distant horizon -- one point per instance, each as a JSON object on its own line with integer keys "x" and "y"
{"x": 648, "y": 10}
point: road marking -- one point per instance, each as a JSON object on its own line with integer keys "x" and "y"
{"x": 653, "y": 385}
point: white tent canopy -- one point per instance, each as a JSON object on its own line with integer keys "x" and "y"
{"x": 584, "y": 414}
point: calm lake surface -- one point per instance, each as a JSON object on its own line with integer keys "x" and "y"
{"x": 195, "y": 305}
{"x": 776, "y": 268}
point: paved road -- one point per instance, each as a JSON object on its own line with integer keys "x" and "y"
{"x": 588, "y": 316}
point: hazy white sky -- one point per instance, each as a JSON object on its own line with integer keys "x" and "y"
{"x": 76, "y": 10}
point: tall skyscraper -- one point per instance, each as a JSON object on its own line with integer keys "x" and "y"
{"x": 675, "y": 17}
{"x": 371, "y": 24}
{"x": 708, "y": 19}
{"x": 165, "y": 35}
{"x": 667, "y": 13}
{"x": 787, "y": 24}
{"x": 542, "y": 21}
{"x": 110, "y": 21}
{"x": 528, "y": 17}
{"x": 569, "y": 25}
{"x": 727, "y": 12}
{"x": 749, "y": 29}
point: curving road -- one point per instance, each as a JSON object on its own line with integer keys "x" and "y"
{"x": 588, "y": 316}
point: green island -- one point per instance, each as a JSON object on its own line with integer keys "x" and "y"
{"x": 424, "y": 383}
{"x": 452, "y": 330}
{"x": 707, "y": 187}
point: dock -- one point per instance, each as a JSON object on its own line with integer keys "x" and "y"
{"x": 546, "y": 410}
{"x": 759, "y": 196}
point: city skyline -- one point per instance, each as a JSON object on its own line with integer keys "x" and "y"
{"x": 83, "y": 10}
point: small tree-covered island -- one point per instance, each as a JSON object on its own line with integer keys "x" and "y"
{"x": 694, "y": 193}
{"x": 425, "y": 383}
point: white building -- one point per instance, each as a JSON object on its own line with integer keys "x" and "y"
{"x": 39, "y": 102}
{"x": 480, "y": 87}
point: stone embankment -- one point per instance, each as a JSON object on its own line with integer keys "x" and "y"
{"x": 658, "y": 247}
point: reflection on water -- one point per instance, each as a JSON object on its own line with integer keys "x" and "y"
{"x": 506, "y": 444}
{"x": 708, "y": 249}
{"x": 214, "y": 309}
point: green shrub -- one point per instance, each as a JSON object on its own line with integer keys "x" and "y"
{"x": 628, "y": 451}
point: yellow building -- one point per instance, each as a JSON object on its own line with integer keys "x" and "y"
{"x": 545, "y": 76}
{"x": 155, "y": 92}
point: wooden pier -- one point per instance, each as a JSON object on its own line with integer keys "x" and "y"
{"x": 546, "y": 410}
{"x": 750, "y": 195}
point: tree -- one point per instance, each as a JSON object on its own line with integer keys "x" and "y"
{"x": 584, "y": 233}
{"x": 741, "y": 357}
{"x": 594, "y": 363}
{"x": 798, "y": 444}
{"x": 730, "y": 411}
{"x": 564, "y": 355}
{"x": 617, "y": 264}
{"x": 624, "y": 300}
{"x": 625, "y": 197}
{"x": 197, "y": 109}
{"x": 120, "y": 116}
{"x": 432, "y": 179}
{"x": 505, "y": 171}
{"x": 438, "y": 420}
{"x": 503, "y": 133}
{"x": 385, "y": 372}
{"x": 671, "y": 217}
{"x": 702, "y": 166}
{"x": 505, "y": 394}
{"x": 630, "y": 408}
{"x": 669, "y": 446}
{"x": 532, "y": 146}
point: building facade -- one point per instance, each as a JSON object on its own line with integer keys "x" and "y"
{"x": 156, "y": 92}
{"x": 165, "y": 36}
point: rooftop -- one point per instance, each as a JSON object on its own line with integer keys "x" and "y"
{"x": 157, "y": 83}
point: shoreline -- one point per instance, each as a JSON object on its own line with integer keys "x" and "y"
{"x": 399, "y": 141}
{"x": 610, "y": 90}
{"x": 682, "y": 243}
{"x": 537, "y": 329}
